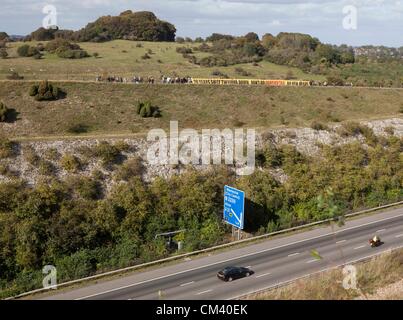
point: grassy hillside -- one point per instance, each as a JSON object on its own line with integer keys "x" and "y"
{"x": 110, "y": 108}
{"x": 123, "y": 58}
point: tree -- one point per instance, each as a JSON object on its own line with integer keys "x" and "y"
{"x": 43, "y": 34}
{"x": 251, "y": 37}
{"x": 269, "y": 41}
{"x": 3, "y": 36}
{"x": 138, "y": 26}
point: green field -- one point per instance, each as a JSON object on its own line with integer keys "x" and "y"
{"x": 123, "y": 58}
{"x": 110, "y": 108}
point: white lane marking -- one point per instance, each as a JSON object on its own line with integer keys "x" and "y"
{"x": 239, "y": 257}
{"x": 293, "y": 254}
{"x": 341, "y": 241}
{"x": 356, "y": 248}
{"x": 186, "y": 284}
{"x": 263, "y": 275}
{"x": 203, "y": 292}
{"x": 313, "y": 260}
{"x": 399, "y": 235}
{"x": 380, "y": 230}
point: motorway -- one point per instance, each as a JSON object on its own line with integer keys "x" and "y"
{"x": 274, "y": 261}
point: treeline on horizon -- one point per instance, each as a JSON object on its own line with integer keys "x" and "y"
{"x": 82, "y": 229}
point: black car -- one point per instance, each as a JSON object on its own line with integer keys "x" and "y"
{"x": 232, "y": 273}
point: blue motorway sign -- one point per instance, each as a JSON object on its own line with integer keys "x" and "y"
{"x": 234, "y": 203}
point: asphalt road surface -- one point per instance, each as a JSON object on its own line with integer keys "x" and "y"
{"x": 274, "y": 262}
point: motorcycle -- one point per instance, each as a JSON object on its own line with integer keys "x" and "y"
{"x": 375, "y": 242}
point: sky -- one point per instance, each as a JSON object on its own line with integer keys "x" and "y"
{"x": 377, "y": 22}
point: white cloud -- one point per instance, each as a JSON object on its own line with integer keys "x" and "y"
{"x": 380, "y": 21}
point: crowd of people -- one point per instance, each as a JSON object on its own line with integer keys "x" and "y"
{"x": 149, "y": 80}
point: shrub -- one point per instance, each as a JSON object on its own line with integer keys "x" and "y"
{"x": 6, "y": 148}
{"x": 3, "y": 53}
{"x": 107, "y": 153}
{"x": 242, "y": 72}
{"x": 72, "y": 54}
{"x": 145, "y": 56}
{"x": 27, "y": 51}
{"x": 52, "y": 154}
{"x": 86, "y": 187}
{"x": 23, "y": 50}
{"x": 78, "y": 128}
{"x": 70, "y": 163}
{"x": 33, "y": 91}
{"x": 65, "y": 49}
{"x": 129, "y": 169}
{"x": 218, "y": 73}
{"x": 3, "y": 112}
{"x": 318, "y": 126}
{"x": 30, "y": 155}
{"x": 390, "y": 130}
{"x": 46, "y": 168}
{"x": 122, "y": 146}
{"x": 44, "y": 91}
{"x": 146, "y": 110}
{"x": 184, "y": 50}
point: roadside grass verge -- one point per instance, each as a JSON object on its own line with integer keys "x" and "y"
{"x": 380, "y": 271}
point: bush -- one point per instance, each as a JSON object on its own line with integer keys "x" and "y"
{"x": 218, "y": 73}
{"x": 78, "y": 128}
{"x": 146, "y": 110}
{"x": 33, "y": 91}
{"x": 129, "y": 169}
{"x": 23, "y": 50}
{"x": 72, "y": 54}
{"x": 52, "y": 154}
{"x": 242, "y": 72}
{"x": 65, "y": 49}
{"x": 44, "y": 91}
{"x": 27, "y": 51}
{"x": 46, "y": 168}
{"x": 6, "y": 148}
{"x": 70, "y": 163}
{"x": 184, "y": 50}
{"x": 108, "y": 153}
{"x": 145, "y": 56}
{"x": 3, "y": 112}
{"x": 85, "y": 187}
{"x": 3, "y": 53}
{"x": 318, "y": 126}
{"x": 30, "y": 155}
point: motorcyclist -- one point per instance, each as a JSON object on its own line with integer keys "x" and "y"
{"x": 376, "y": 239}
